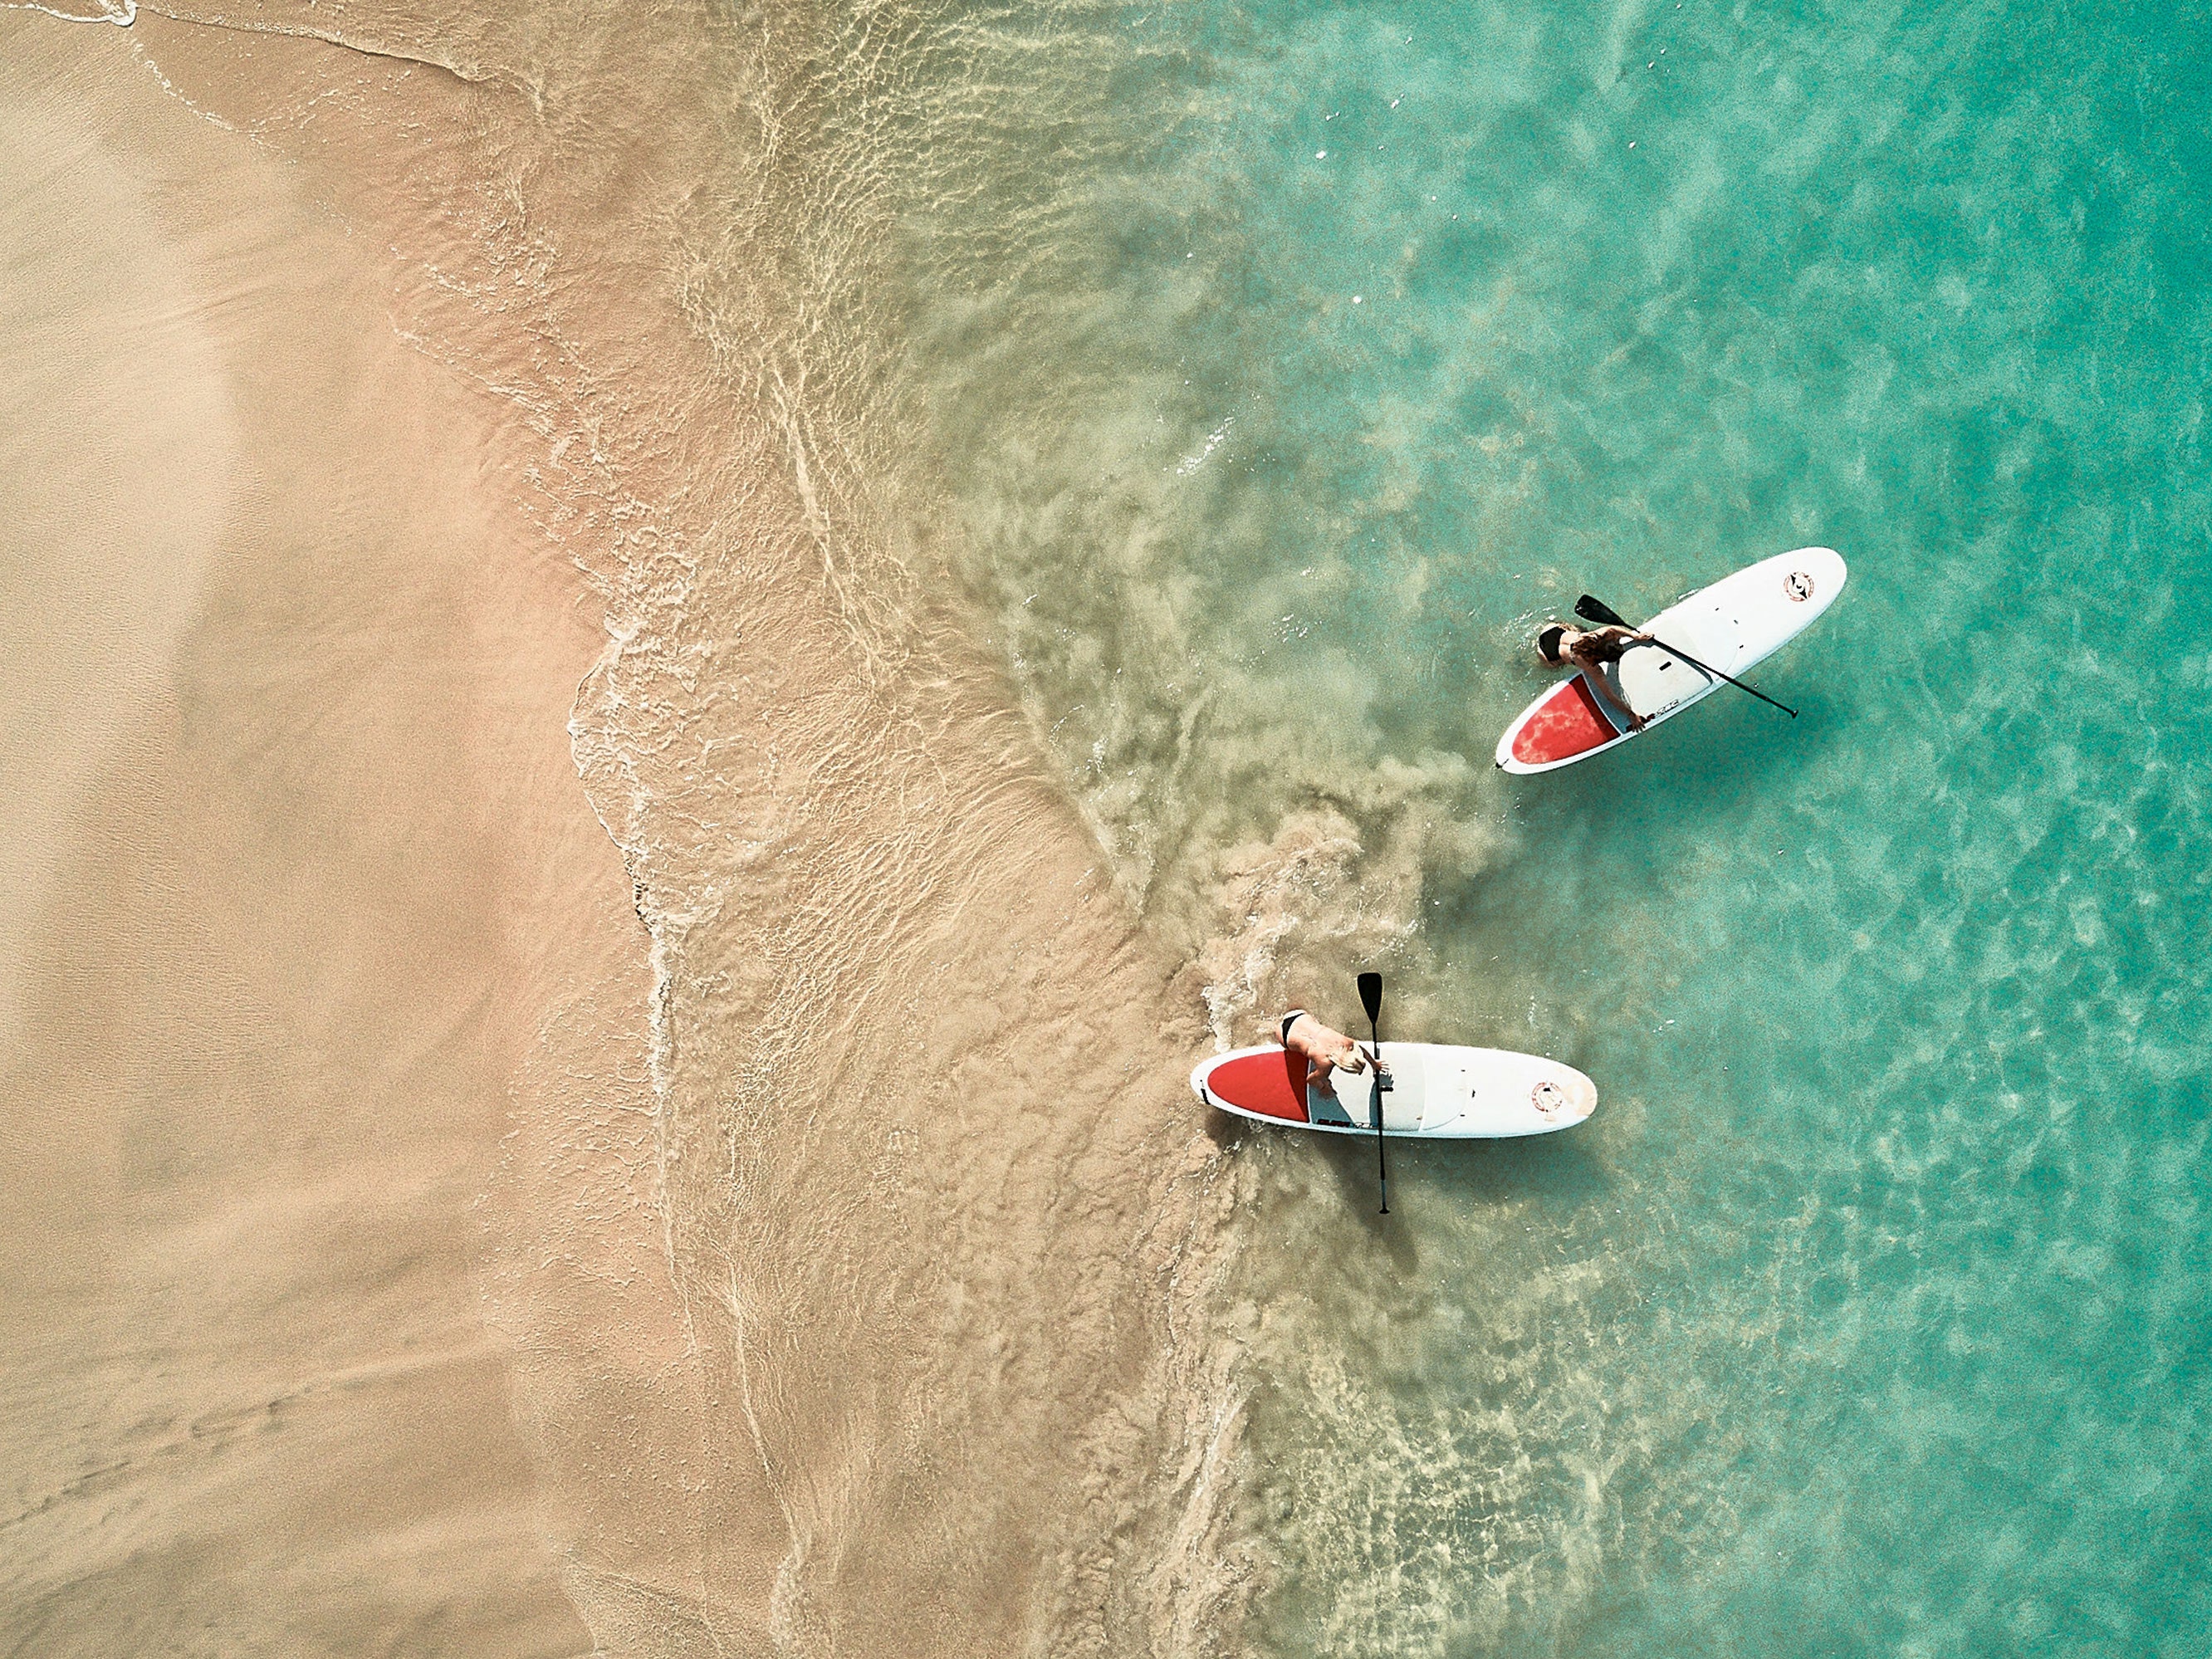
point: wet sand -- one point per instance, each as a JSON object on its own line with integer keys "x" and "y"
{"x": 743, "y": 1199}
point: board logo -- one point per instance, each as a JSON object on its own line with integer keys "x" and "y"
{"x": 1798, "y": 586}
{"x": 1548, "y": 1097}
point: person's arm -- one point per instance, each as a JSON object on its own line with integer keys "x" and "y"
{"x": 1612, "y": 699}
{"x": 1358, "y": 1059}
{"x": 1333, "y": 1051}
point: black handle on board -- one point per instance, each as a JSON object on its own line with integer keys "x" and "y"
{"x": 1597, "y": 610}
{"x": 1370, "y": 998}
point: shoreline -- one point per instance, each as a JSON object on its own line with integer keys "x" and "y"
{"x": 807, "y": 1268}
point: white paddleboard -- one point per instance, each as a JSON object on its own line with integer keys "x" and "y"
{"x": 1438, "y": 1090}
{"x": 1740, "y": 620}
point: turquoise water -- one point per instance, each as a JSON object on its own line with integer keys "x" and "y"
{"x": 1287, "y": 362}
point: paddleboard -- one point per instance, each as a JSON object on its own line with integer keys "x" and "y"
{"x": 1438, "y": 1091}
{"x": 1740, "y": 620}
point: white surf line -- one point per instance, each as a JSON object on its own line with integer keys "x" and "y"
{"x": 123, "y": 12}
{"x": 107, "y": 13}
{"x": 1213, "y": 441}
{"x": 130, "y": 10}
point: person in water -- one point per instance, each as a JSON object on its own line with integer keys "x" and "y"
{"x": 1323, "y": 1049}
{"x": 1589, "y": 650}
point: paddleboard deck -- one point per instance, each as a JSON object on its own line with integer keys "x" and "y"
{"x": 1440, "y": 1091}
{"x": 1741, "y": 620}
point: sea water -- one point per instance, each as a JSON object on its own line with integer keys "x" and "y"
{"x": 1286, "y": 365}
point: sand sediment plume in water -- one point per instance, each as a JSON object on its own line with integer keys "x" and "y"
{"x": 419, "y": 1248}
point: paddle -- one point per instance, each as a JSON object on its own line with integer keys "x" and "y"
{"x": 1370, "y": 997}
{"x": 1590, "y": 610}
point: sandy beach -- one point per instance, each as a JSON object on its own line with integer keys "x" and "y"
{"x": 296, "y": 859}
{"x": 571, "y": 1084}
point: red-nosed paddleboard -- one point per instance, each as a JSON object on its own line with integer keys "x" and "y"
{"x": 1437, "y": 1091}
{"x": 1740, "y": 620}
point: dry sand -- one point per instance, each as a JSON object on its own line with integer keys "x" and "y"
{"x": 294, "y": 850}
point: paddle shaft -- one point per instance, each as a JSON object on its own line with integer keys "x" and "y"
{"x": 1594, "y": 611}
{"x": 1382, "y": 1166}
{"x": 1370, "y": 998}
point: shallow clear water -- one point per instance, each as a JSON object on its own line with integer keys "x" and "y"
{"x": 1339, "y": 346}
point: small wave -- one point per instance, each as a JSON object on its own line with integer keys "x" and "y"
{"x": 121, "y": 13}
{"x": 1215, "y": 439}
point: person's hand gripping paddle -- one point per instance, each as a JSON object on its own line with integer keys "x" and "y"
{"x": 1597, "y": 610}
{"x": 1370, "y": 998}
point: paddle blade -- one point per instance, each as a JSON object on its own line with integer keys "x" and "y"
{"x": 1598, "y": 610}
{"x": 1371, "y": 996}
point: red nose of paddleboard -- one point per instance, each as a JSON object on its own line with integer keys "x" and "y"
{"x": 1272, "y": 1084}
{"x": 1568, "y": 723}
